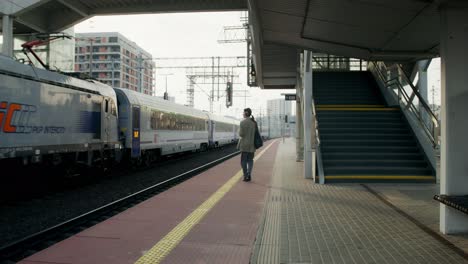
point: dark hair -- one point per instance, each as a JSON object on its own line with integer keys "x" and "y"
{"x": 253, "y": 119}
{"x": 248, "y": 111}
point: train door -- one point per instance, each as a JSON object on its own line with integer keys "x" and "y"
{"x": 136, "y": 131}
{"x": 105, "y": 120}
{"x": 212, "y": 132}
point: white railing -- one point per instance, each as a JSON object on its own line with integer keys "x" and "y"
{"x": 316, "y": 145}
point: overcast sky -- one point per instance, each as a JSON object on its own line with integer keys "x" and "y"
{"x": 186, "y": 35}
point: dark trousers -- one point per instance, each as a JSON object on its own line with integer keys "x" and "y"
{"x": 247, "y": 163}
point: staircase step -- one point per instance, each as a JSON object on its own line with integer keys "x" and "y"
{"x": 350, "y": 105}
{"x": 358, "y": 124}
{"x": 352, "y": 108}
{"x": 357, "y": 150}
{"x": 377, "y": 170}
{"x": 347, "y": 101}
{"x": 374, "y": 163}
{"x": 335, "y": 136}
{"x": 342, "y": 92}
{"x": 338, "y": 91}
{"x": 345, "y": 83}
{"x": 372, "y": 156}
{"x": 357, "y": 130}
{"x": 328, "y": 91}
{"x": 367, "y": 142}
{"x": 325, "y": 113}
{"x": 363, "y": 119}
{"x": 380, "y": 178}
{"x": 350, "y": 98}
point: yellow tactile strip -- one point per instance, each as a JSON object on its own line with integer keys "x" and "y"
{"x": 159, "y": 251}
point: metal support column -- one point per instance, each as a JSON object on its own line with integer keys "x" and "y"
{"x": 307, "y": 99}
{"x": 454, "y": 124}
{"x": 7, "y": 29}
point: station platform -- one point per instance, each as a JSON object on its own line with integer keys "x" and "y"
{"x": 278, "y": 217}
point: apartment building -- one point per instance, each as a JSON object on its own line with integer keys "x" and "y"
{"x": 115, "y": 60}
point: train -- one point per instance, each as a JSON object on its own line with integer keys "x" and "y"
{"x": 54, "y": 118}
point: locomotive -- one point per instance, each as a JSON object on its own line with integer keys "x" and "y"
{"x": 52, "y": 118}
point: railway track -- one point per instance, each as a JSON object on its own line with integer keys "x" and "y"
{"x": 29, "y": 245}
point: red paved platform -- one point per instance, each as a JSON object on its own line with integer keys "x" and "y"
{"x": 226, "y": 234}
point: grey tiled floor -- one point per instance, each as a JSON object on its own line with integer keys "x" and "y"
{"x": 310, "y": 223}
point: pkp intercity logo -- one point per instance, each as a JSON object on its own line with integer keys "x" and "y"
{"x": 17, "y": 118}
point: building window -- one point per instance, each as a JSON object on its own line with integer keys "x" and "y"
{"x": 113, "y": 39}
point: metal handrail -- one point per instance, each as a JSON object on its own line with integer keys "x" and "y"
{"x": 415, "y": 91}
{"x": 394, "y": 83}
{"x": 317, "y": 146}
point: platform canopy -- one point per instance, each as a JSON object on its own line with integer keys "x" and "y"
{"x": 56, "y": 15}
{"x": 399, "y": 30}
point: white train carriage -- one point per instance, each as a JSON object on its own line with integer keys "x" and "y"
{"x": 223, "y": 130}
{"x": 44, "y": 115}
{"x": 151, "y": 127}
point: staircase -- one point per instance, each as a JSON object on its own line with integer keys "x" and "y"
{"x": 363, "y": 140}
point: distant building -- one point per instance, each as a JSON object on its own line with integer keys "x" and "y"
{"x": 115, "y": 60}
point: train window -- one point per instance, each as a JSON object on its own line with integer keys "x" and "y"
{"x": 154, "y": 120}
{"x": 223, "y": 127}
{"x": 113, "y": 108}
{"x": 172, "y": 121}
{"x": 106, "y": 106}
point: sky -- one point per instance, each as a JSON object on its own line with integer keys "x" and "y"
{"x": 187, "y": 35}
{"x": 433, "y": 82}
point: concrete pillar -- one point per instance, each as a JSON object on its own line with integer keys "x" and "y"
{"x": 454, "y": 124}
{"x": 7, "y": 32}
{"x": 307, "y": 100}
{"x": 299, "y": 124}
{"x": 423, "y": 90}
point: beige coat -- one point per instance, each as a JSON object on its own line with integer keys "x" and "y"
{"x": 247, "y": 135}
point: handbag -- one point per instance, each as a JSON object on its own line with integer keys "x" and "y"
{"x": 258, "y": 142}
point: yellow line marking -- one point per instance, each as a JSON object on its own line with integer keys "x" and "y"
{"x": 331, "y": 105}
{"x": 380, "y": 177}
{"x": 159, "y": 251}
{"x": 356, "y": 109}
